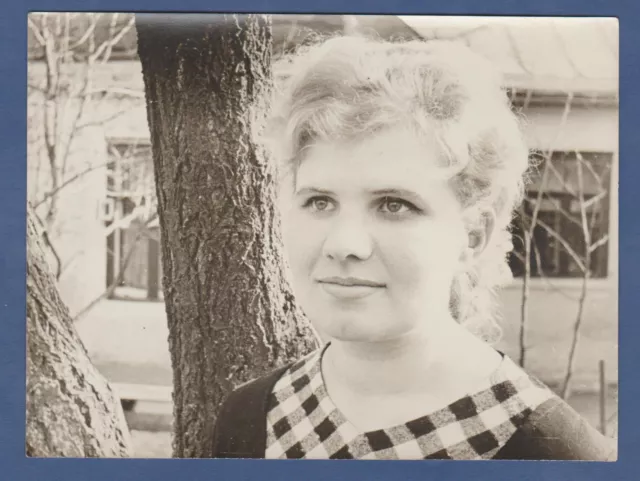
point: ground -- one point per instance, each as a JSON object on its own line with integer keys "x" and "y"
{"x": 128, "y": 342}
{"x": 149, "y": 444}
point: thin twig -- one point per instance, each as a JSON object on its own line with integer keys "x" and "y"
{"x": 528, "y": 237}
{"x": 119, "y": 278}
{"x": 598, "y": 178}
{"x": 564, "y": 243}
{"x": 79, "y": 175}
{"x": 112, "y": 33}
{"x": 128, "y": 219}
{"x": 583, "y": 211}
{"x": 565, "y": 50}
{"x": 515, "y": 50}
{"x": 103, "y": 121}
{"x": 530, "y": 230}
{"x": 557, "y": 206}
{"x": 600, "y": 242}
{"x": 94, "y": 17}
{"x": 558, "y": 176}
{"x": 76, "y": 119}
{"x": 112, "y": 41}
{"x": 37, "y": 88}
{"x": 50, "y": 117}
{"x": 113, "y": 91}
{"x": 566, "y": 387}
{"x": 35, "y": 31}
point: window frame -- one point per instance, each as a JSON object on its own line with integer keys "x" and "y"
{"x": 563, "y": 280}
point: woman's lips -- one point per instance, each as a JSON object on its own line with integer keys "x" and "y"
{"x": 350, "y": 288}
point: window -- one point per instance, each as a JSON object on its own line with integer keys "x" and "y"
{"x": 133, "y": 247}
{"x": 570, "y": 231}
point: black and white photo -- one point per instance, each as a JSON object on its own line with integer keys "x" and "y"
{"x": 322, "y": 237}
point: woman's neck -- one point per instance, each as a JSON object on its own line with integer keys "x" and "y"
{"x": 447, "y": 360}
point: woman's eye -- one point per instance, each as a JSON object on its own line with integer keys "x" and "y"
{"x": 395, "y": 206}
{"x": 318, "y": 204}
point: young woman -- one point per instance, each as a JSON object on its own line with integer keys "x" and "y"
{"x": 405, "y": 163}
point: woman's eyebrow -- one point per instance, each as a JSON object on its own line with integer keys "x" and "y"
{"x": 396, "y": 192}
{"x": 312, "y": 190}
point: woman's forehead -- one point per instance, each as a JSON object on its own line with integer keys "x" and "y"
{"x": 394, "y": 157}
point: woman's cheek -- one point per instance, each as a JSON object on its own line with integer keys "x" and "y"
{"x": 302, "y": 238}
{"x": 425, "y": 252}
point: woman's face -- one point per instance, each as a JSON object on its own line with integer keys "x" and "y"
{"x": 373, "y": 236}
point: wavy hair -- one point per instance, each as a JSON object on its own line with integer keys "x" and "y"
{"x": 347, "y": 88}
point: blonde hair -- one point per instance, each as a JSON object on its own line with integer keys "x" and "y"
{"x": 347, "y": 88}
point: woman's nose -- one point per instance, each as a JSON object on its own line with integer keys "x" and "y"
{"x": 348, "y": 238}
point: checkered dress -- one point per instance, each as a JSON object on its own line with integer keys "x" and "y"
{"x": 302, "y": 422}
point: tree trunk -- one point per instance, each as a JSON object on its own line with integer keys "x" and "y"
{"x": 71, "y": 410}
{"x": 231, "y": 314}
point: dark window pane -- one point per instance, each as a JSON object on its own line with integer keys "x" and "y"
{"x": 558, "y": 245}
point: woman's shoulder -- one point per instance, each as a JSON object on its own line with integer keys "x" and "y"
{"x": 555, "y": 431}
{"x": 236, "y": 432}
{"x": 269, "y": 380}
{"x": 547, "y": 427}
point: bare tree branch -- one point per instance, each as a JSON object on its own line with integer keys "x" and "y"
{"x": 50, "y": 117}
{"x": 120, "y": 277}
{"x": 127, "y": 220}
{"x": 566, "y": 385}
{"x": 558, "y": 175}
{"x": 557, "y": 206}
{"x": 518, "y": 256}
{"x": 70, "y": 180}
{"x": 530, "y": 229}
{"x": 515, "y": 50}
{"x": 583, "y": 211}
{"x": 112, "y": 34}
{"x": 537, "y": 204}
{"x": 34, "y": 29}
{"x": 598, "y": 178}
{"x": 67, "y": 32}
{"x": 600, "y": 242}
{"x": 528, "y": 236}
{"x": 36, "y": 88}
{"x": 594, "y": 199}
{"x": 565, "y": 51}
{"x": 536, "y": 253}
{"x": 88, "y": 32}
{"x": 525, "y": 293}
{"x": 576, "y": 258}
{"x": 58, "y": 23}
{"x": 108, "y": 44}
{"x": 113, "y": 91}
{"x": 104, "y": 120}
{"x": 76, "y": 119}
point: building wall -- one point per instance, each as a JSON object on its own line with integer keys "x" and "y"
{"x": 80, "y": 239}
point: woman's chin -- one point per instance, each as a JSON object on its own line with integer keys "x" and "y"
{"x": 357, "y": 330}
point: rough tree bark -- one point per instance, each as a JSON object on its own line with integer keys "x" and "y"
{"x": 71, "y": 410}
{"x": 230, "y": 312}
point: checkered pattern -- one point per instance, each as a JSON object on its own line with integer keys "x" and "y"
{"x": 302, "y": 422}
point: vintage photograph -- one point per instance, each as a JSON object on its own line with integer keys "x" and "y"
{"x": 322, "y": 236}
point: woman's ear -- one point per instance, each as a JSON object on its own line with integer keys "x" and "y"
{"x": 480, "y": 233}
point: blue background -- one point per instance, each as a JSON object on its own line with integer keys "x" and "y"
{"x": 13, "y": 67}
